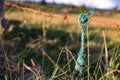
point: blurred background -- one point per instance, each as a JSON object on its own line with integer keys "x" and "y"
{"x": 40, "y": 47}
{"x": 102, "y": 4}
{"x": 79, "y": 5}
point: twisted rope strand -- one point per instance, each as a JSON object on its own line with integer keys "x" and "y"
{"x": 81, "y": 62}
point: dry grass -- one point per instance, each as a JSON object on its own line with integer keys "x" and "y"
{"x": 60, "y": 42}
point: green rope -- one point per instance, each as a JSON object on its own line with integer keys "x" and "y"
{"x": 81, "y": 62}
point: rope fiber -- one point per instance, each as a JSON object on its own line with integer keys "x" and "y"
{"x": 83, "y": 20}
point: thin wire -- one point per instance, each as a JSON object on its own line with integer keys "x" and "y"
{"x": 64, "y": 17}
{"x": 112, "y": 24}
{"x": 35, "y": 11}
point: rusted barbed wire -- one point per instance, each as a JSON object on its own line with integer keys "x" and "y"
{"x": 113, "y": 24}
{"x": 64, "y": 17}
{"x": 35, "y": 11}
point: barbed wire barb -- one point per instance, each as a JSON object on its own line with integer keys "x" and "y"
{"x": 64, "y": 17}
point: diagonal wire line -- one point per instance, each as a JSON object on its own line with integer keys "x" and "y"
{"x": 64, "y": 17}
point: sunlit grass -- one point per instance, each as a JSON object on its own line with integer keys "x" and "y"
{"x": 60, "y": 42}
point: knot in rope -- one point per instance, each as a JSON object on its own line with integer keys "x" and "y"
{"x": 81, "y": 62}
{"x": 83, "y": 18}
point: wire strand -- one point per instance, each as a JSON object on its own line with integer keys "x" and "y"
{"x": 64, "y": 17}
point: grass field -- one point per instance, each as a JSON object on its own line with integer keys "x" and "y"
{"x": 44, "y": 48}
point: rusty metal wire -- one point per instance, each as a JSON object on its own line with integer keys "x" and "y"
{"x": 112, "y": 24}
{"x": 64, "y": 17}
{"x": 36, "y": 11}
